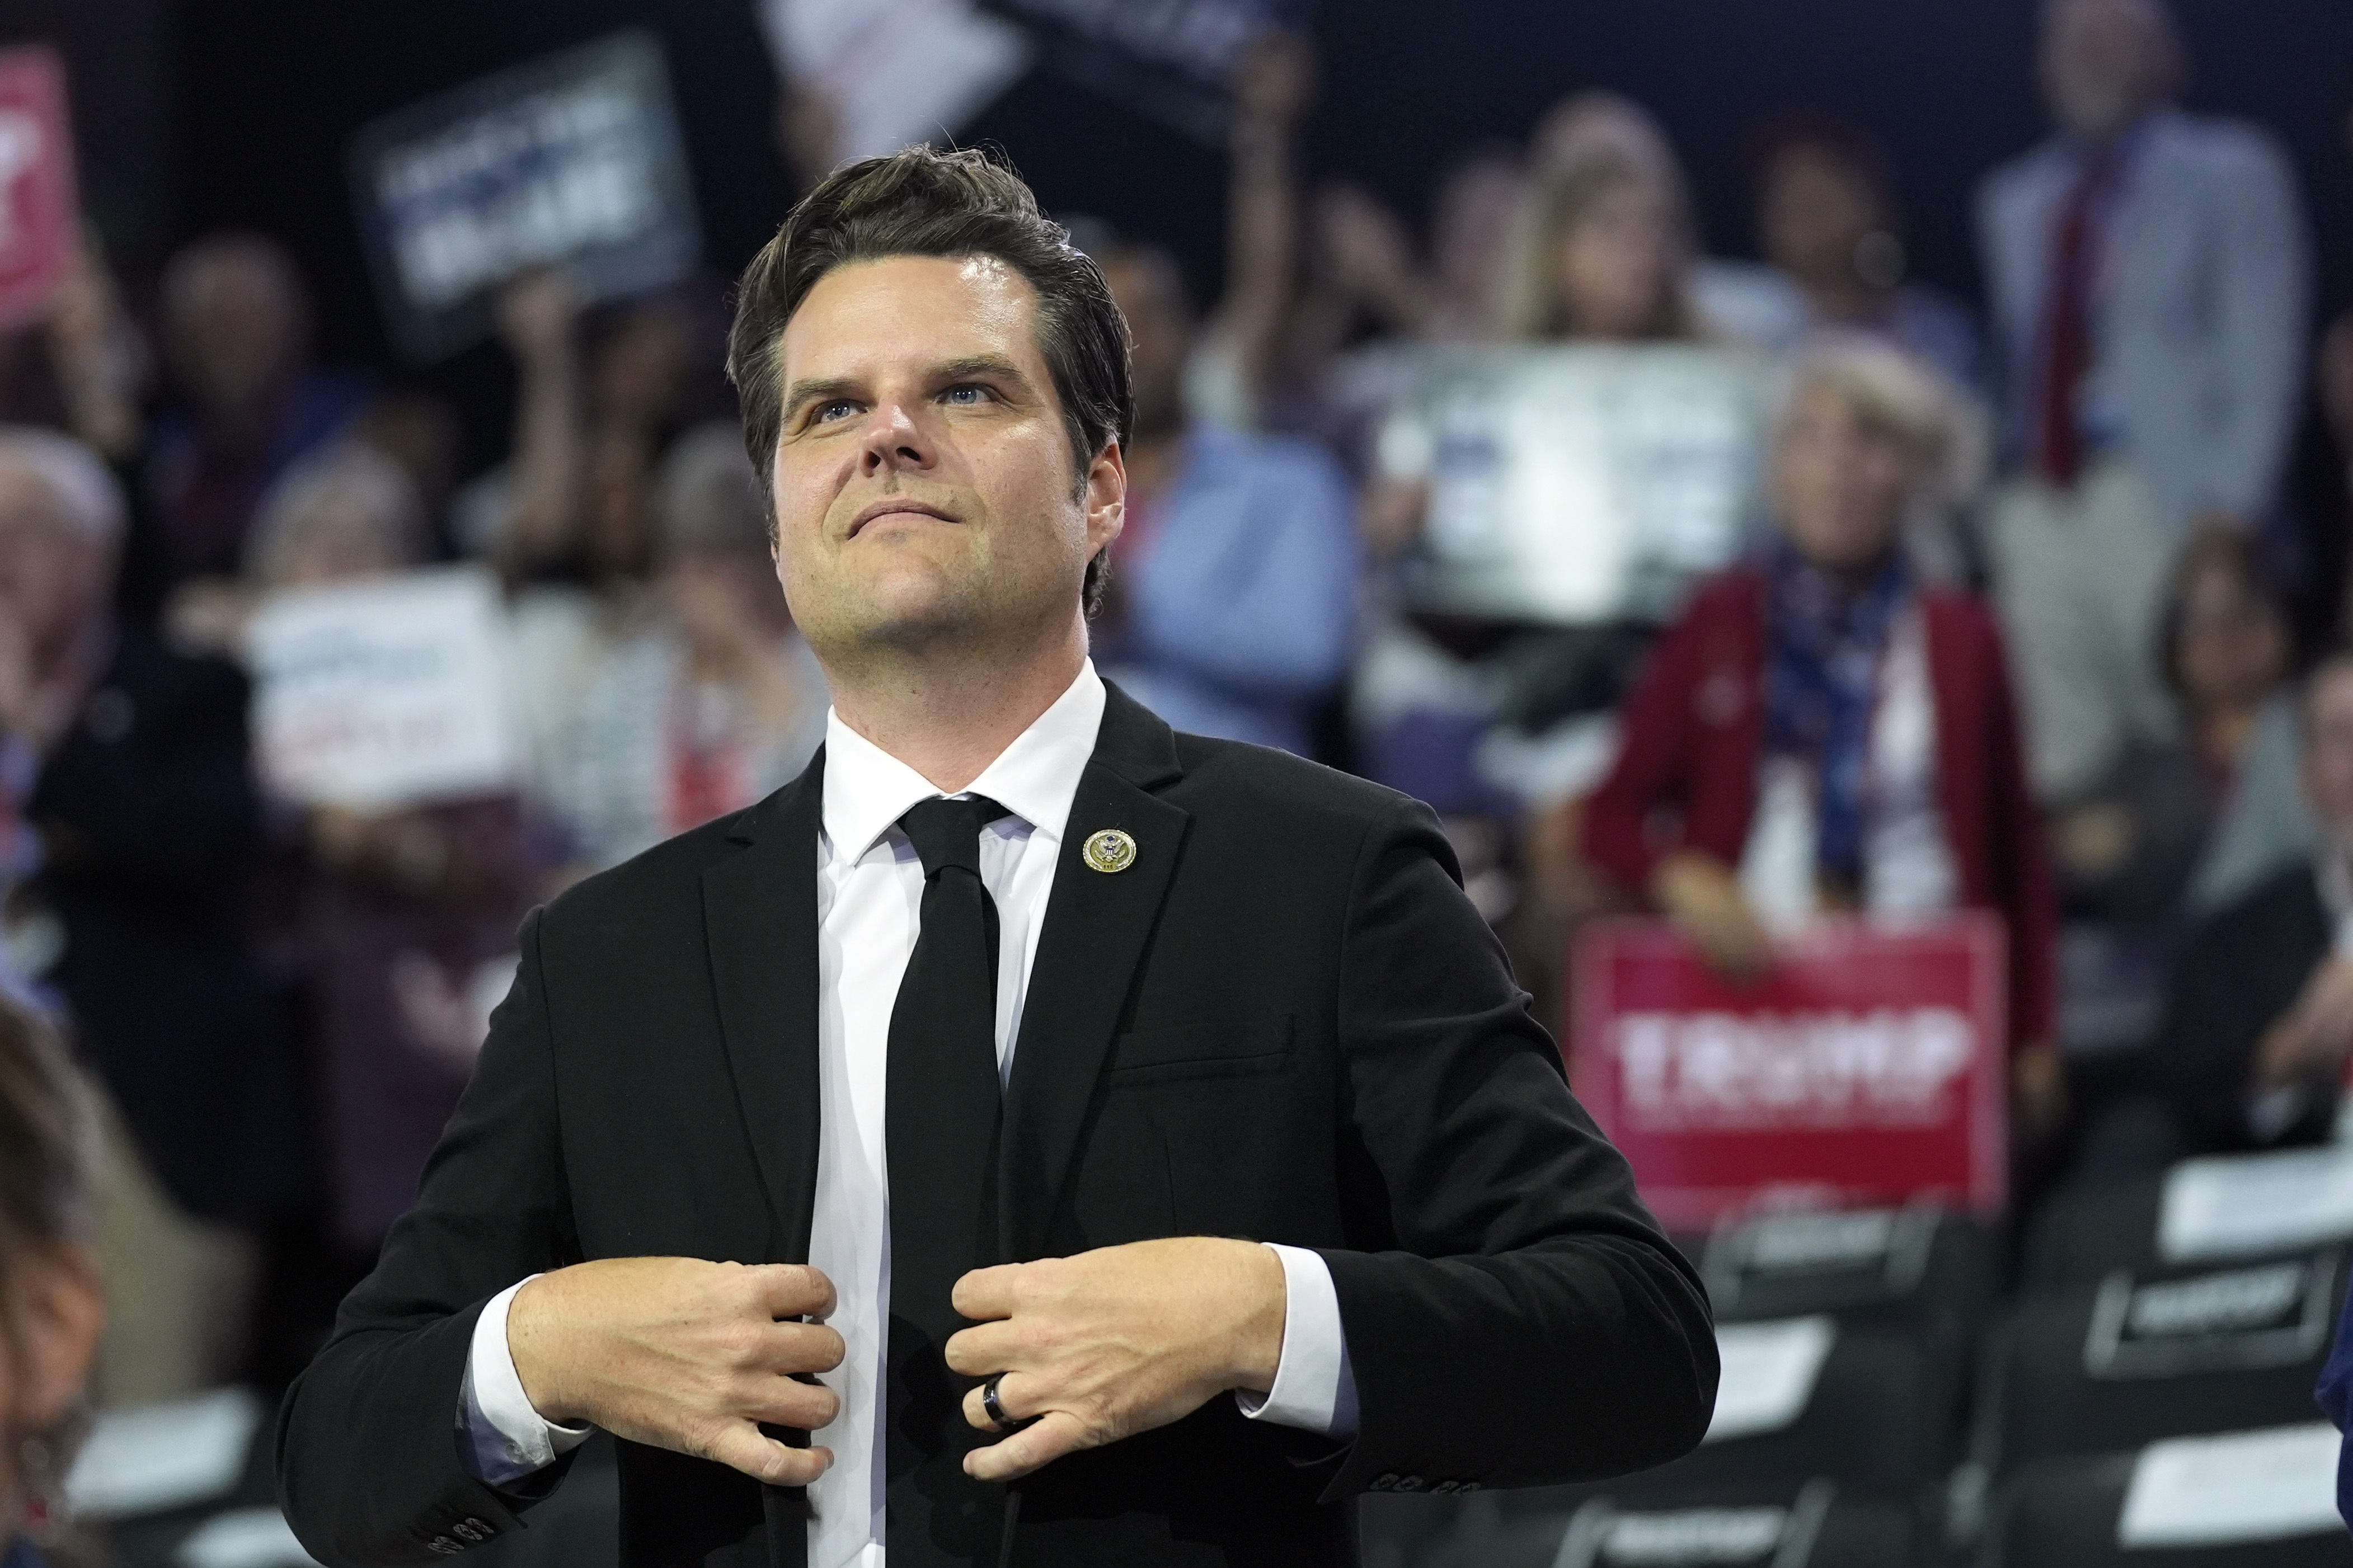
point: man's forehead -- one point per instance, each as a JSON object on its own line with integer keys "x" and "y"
{"x": 902, "y": 310}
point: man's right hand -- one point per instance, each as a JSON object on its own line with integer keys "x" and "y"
{"x": 683, "y": 1354}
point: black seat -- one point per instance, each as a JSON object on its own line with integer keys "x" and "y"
{"x": 1880, "y": 1419}
{"x": 2064, "y": 1514}
{"x": 1794, "y": 1524}
{"x": 2153, "y": 1351}
{"x": 2082, "y": 1233}
{"x": 1897, "y": 1267}
{"x": 2236, "y": 1206}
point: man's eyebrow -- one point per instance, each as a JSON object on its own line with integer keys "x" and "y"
{"x": 973, "y": 366}
{"x": 802, "y": 393}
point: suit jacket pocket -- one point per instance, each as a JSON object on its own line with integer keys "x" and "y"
{"x": 1200, "y": 1051}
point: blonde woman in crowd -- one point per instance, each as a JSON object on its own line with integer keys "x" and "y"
{"x": 1604, "y": 250}
{"x": 1831, "y": 732}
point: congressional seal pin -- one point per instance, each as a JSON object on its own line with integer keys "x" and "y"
{"x": 1110, "y": 850}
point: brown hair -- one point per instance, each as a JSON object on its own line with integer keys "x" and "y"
{"x": 925, "y": 202}
{"x": 2217, "y": 543}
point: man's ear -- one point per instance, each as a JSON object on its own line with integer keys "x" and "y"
{"x": 1106, "y": 498}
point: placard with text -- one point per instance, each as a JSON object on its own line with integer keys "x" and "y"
{"x": 574, "y": 161}
{"x": 386, "y": 692}
{"x": 39, "y": 215}
{"x": 1867, "y": 1067}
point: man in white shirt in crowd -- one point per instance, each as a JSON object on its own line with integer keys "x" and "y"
{"x": 2148, "y": 273}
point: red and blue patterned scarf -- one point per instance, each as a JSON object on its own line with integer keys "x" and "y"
{"x": 1823, "y": 642}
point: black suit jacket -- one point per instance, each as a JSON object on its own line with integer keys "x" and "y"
{"x": 2239, "y": 975}
{"x": 1283, "y": 1022}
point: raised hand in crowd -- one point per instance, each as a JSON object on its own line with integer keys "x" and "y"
{"x": 539, "y": 321}
{"x": 1368, "y": 256}
{"x": 1273, "y": 86}
{"x": 100, "y": 361}
{"x": 636, "y": 381}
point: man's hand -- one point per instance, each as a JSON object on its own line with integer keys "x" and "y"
{"x": 1114, "y": 1341}
{"x": 683, "y": 1354}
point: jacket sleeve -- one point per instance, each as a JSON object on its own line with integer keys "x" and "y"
{"x": 2199, "y": 1060}
{"x": 171, "y": 807}
{"x": 2261, "y": 299}
{"x": 2021, "y": 874}
{"x": 1653, "y": 761}
{"x": 1528, "y": 1323}
{"x": 1261, "y": 599}
{"x": 2240, "y": 975}
{"x": 368, "y": 1463}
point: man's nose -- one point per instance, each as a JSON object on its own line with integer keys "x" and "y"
{"x": 895, "y": 438}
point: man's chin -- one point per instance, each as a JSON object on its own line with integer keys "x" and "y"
{"x": 905, "y": 617}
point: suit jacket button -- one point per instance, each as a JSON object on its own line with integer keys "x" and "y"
{"x": 444, "y": 1545}
{"x": 1443, "y": 1489}
{"x": 1382, "y": 1483}
{"x": 1410, "y": 1483}
{"x": 1465, "y": 1489}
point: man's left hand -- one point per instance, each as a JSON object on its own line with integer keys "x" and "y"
{"x": 1114, "y": 1341}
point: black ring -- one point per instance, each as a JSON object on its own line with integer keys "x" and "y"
{"x": 996, "y": 1410}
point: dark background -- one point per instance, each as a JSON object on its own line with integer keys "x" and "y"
{"x": 201, "y": 113}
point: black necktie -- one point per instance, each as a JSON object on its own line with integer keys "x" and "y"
{"x": 940, "y": 1111}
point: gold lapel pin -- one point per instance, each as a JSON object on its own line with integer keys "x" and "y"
{"x": 1110, "y": 850}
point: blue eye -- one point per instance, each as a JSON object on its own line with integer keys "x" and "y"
{"x": 965, "y": 394}
{"x": 841, "y": 405}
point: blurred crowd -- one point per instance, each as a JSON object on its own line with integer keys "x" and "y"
{"x": 2026, "y": 615}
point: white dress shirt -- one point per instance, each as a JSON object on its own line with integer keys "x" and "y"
{"x": 869, "y": 897}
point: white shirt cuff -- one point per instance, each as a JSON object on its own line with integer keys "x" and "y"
{"x": 505, "y": 1438}
{"x": 1315, "y": 1386}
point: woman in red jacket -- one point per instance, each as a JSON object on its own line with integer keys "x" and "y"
{"x": 1823, "y": 731}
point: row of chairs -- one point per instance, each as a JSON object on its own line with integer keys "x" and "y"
{"x": 2143, "y": 1399}
{"x": 2141, "y": 1395}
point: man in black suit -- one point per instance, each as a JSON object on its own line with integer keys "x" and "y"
{"x": 2259, "y": 1024}
{"x": 920, "y": 1106}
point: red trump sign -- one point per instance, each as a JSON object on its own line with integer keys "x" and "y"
{"x": 1867, "y": 1067}
{"x": 38, "y": 214}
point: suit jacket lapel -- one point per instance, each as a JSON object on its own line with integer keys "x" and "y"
{"x": 759, "y": 912}
{"x": 1097, "y": 926}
